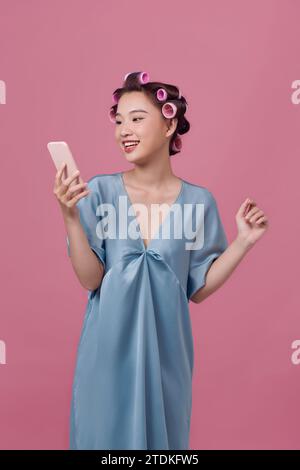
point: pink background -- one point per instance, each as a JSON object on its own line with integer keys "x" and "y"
{"x": 235, "y": 63}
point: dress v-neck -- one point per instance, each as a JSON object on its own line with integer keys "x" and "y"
{"x": 158, "y": 231}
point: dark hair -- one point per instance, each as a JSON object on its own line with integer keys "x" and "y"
{"x": 132, "y": 83}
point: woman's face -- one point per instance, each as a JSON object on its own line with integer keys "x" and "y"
{"x": 147, "y": 125}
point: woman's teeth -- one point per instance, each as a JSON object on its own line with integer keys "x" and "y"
{"x": 131, "y": 144}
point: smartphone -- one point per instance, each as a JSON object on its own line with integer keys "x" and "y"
{"x": 60, "y": 153}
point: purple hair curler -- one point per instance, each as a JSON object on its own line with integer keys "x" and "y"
{"x": 177, "y": 144}
{"x": 169, "y": 110}
{"x": 161, "y": 94}
{"x": 112, "y": 116}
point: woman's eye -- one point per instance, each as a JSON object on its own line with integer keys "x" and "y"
{"x": 119, "y": 122}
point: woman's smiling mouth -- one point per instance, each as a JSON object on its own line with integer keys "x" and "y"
{"x": 130, "y": 146}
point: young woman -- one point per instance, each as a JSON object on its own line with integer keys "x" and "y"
{"x": 133, "y": 381}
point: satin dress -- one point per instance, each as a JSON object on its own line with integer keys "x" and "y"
{"x": 132, "y": 386}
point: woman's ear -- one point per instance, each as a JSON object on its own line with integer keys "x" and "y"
{"x": 172, "y": 124}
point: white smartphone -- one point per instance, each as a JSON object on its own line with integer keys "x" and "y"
{"x": 60, "y": 153}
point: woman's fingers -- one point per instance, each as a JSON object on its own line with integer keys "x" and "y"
{"x": 60, "y": 171}
{"x": 72, "y": 202}
{"x": 64, "y": 189}
{"x": 73, "y": 189}
{"x": 245, "y": 207}
{"x": 253, "y": 218}
{"x": 71, "y": 178}
{"x": 64, "y": 184}
{"x": 68, "y": 194}
{"x": 57, "y": 181}
{"x": 262, "y": 220}
{"x": 251, "y": 213}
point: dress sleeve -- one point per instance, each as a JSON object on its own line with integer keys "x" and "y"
{"x": 90, "y": 221}
{"x": 215, "y": 243}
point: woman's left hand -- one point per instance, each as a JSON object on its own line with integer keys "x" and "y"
{"x": 251, "y": 222}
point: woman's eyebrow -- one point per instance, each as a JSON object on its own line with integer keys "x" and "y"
{"x": 133, "y": 111}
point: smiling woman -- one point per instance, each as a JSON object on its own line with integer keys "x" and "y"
{"x": 133, "y": 380}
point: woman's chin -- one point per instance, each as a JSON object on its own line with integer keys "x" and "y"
{"x": 132, "y": 157}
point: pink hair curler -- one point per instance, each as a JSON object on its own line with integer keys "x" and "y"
{"x": 161, "y": 94}
{"x": 112, "y": 116}
{"x": 169, "y": 110}
{"x": 177, "y": 144}
{"x": 143, "y": 77}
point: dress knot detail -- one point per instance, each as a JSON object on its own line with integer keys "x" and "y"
{"x": 154, "y": 254}
{"x": 132, "y": 253}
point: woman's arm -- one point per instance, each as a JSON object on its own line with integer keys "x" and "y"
{"x": 252, "y": 224}
{"x": 221, "y": 269}
{"x": 85, "y": 262}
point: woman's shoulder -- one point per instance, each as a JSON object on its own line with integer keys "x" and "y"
{"x": 102, "y": 178}
{"x": 102, "y": 182}
{"x": 199, "y": 191}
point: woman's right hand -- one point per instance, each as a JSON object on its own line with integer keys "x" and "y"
{"x": 67, "y": 195}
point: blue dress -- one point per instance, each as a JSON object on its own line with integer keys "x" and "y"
{"x": 132, "y": 386}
